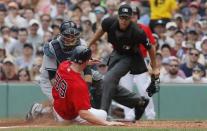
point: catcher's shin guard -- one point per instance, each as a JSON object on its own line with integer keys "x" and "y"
{"x": 154, "y": 86}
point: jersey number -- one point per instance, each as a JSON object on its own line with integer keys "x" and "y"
{"x": 60, "y": 86}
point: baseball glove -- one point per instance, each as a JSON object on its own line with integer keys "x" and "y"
{"x": 154, "y": 86}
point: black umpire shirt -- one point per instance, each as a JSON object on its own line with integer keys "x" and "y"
{"x": 127, "y": 42}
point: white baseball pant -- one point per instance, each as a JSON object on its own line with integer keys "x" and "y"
{"x": 141, "y": 82}
{"x": 96, "y": 112}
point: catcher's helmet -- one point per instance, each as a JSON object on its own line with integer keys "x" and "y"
{"x": 81, "y": 54}
{"x": 69, "y": 33}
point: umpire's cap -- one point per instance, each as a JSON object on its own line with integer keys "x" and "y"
{"x": 125, "y": 10}
{"x": 81, "y": 54}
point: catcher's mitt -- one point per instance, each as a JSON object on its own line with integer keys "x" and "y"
{"x": 154, "y": 86}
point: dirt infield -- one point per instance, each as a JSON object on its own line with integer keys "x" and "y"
{"x": 139, "y": 124}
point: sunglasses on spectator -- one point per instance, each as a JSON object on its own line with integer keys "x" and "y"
{"x": 195, "y": 54}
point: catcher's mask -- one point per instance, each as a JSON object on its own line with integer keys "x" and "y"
{"x": 69, "y": 33}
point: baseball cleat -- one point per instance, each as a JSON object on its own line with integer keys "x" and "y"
{"x": 34, "y": 111}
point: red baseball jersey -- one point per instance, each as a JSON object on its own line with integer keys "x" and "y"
{"x": 149, "y": 36}
{"x": 70, "y": 92}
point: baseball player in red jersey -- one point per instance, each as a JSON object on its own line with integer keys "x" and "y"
{"x": 70, "y": 92}
{"x": 141, "y": 81}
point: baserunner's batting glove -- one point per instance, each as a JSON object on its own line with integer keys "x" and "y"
{"x": 154, "y": 86}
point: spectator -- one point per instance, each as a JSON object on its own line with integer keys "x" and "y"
{"x": 34, "y": 38}
{"x": 198, "y": 28}
{"x": 35, "y": 71}
{"x": 24, "y": 75}
{"x": 87, "y": 31}
{"x": 59, "y": 10}
{"x": 112, "y": 6}
{"x": 44, "y": 6}
{"x": 95, "y": 51}
{"x": 17, "y": 48}
{"x": 2, "y": 14}
{"x": 13, "y": 18}
{"x": 203, "y": 59}
{"x": 29, "y": 14}
{"x": 163, "y": 10}
{"x": 164, "y": 67}
{"x": 58, "y": 20}
{"x": 14, "y": 32}
{"x": 178, "y": 50}
{"x": 99, "y": 12}
{"x": 77, "y": 11}
{"x": 179, "y": 20}
{"x": 8, "y": 70}
{"x": 6, "y": 40}
{"x": 55, "y": 30}
{"x": 194, "y": 14}
{"x": 46, "y": 38}
{"x": 204, "y": 26}
{"x": 27, "y": 59}
{"x": 166, "y": 51}
{"x": 192, "y": 62}
{"x": 197, "y": 76}
{"x": 2, "y": 54}
{"x": 45, "y": 21}
{"x": 172, "y": 76}
{"x": 87, "y": 13}
{"x": 159, "y": 29}
{"x": 192, "y": 36}
{"x": 171, "y": 28}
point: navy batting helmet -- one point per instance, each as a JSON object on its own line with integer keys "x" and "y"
{"x": 69, "y": 32}
{"x": 81, "y": 54}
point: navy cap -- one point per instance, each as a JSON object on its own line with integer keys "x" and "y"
{"x": 160, "y": 22}
{"x": 125, "y": 10}
{"x": 2, "y": 7}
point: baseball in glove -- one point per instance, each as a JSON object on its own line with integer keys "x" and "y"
{"x": 154, "y": 86}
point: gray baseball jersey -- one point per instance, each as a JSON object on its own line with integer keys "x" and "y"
{"x": 50, "y": 64}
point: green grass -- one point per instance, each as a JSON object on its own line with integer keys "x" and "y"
{"x": 93, "y": 128}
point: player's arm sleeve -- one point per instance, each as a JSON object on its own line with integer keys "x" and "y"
{"x": 48, "y": 50}
{"x": 106, "y": 23}
{"x": 144, "y": 40}
{"x": 150, "y": 36}
{"x": 50, "y": 65}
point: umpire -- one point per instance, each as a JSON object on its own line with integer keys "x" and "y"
{"x": 125, "y": 37}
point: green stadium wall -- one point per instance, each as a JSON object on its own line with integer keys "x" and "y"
{"x": 173, "y": 102}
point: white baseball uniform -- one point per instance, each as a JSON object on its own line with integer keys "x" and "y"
{"x": 141, "y": 82}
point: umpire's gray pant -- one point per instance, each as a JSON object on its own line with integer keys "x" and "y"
{"x": 119, "y": 65}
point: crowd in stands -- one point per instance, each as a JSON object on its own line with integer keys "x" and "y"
{"x": 179, "y": 27}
